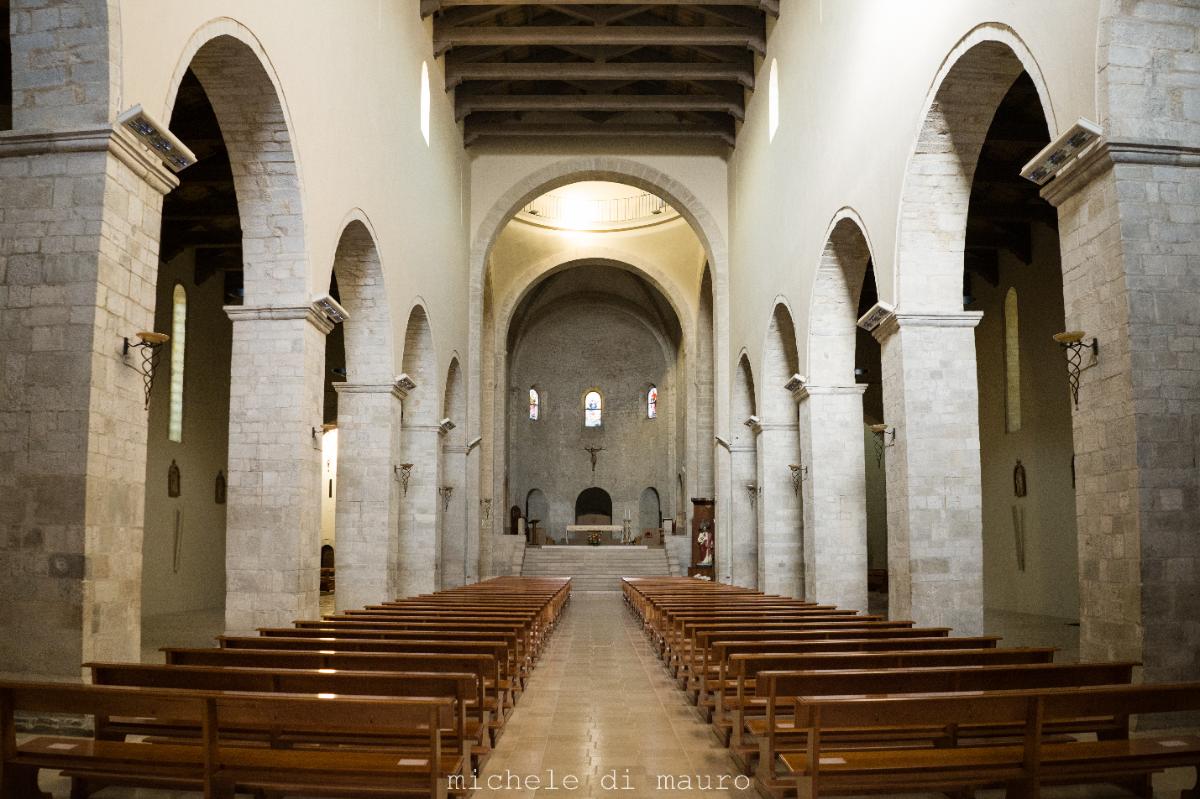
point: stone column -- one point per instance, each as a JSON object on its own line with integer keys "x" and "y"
{"x": 417, "y": 558}
{"x": 781, "y": 552}
{"x": 453, "y": 515}
{"x": 935, "y": 520}
{"x": 274, "y": 527}
{"x": 835, "y": 494}
{"x": 1129, "y": 220}
{"x": 742, "y": 558}
{"x": 80, "y": 212}
{"x": 368, "y": 496}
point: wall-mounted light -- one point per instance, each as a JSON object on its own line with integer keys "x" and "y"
{"x": 1073, "y": 344}
{"x": 331, "y": 309}
{"x": 445, "y": 426}
{"x": 403, "y": 473}
{"x": 1055, "y": 156}
{"x": 150, "y": 344}
{"x": 164, "y": 144}
{"x": 885, "y": 436}
{"x": 753, "y": 490}
{"x": 798, "y": 473}
{"x": 445, "y": 492}
{"x": 405, "y": 383}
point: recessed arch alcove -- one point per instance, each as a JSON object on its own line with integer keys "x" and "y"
{"x": 593, "y": 506}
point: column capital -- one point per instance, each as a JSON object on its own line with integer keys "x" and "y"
{"x": 924, "y": 319}
{"x": 395, "y": 388}
{"x": 115, "y": 141}
{"x": 1100, "y": 159}
{"x": 312, "y": 313}
{"x": 806, "y": 391}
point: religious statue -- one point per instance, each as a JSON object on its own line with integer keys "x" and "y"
{"x": 705, "y": 541}
{"x": 173, "y": 489}
{"x": 1019, "y": 487}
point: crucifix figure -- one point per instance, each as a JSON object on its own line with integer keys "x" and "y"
{"x": 593, "y": 452}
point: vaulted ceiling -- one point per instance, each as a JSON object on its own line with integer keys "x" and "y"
{"x": 625, "y": 68}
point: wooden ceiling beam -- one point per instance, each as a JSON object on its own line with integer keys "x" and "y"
{"x": 484, "y": 130}
{"x": 429, "y": 7}
{"x": 614, "y": 103}
{"x": 459, "y": 71}
{"x": 447, "y": 37}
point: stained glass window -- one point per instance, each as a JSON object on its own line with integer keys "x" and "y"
{"x": 535, "y": 405}
{"x": 593, "y": 409}
{"x": 652, "y": 403}
{"x": 178, "y": 345}
{"x": 1012, "y": 363}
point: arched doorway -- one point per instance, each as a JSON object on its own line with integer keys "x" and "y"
{"x": 593, "y": 506}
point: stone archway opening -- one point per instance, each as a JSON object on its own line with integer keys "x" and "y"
{"x": 593, "y": 506}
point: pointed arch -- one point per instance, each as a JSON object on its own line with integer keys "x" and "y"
{"x": 833, "y": 314}
{"x": 780, "y": 362}
{"x": 358, "y": 268}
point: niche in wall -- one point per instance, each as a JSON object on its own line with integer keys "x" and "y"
{"x": 593, "y": 506}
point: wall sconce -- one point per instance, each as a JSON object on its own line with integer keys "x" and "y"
{"x": 1073, "y": 345}
{"x": 403, "y": 472}
{"x": 885, "y": 436}
{"x": 330, "y": 308}
{"x": 150, "y": 344}
{"x": 798, "y": 473}
{"x": 445, "y": 493}
{"x": 753, "y": 490}
{"x": 485, "y": 508}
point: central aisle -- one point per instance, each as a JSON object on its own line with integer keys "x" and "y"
{"x": 600, "y": 702}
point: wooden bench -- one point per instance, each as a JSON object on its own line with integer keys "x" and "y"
{"x": 825, "y": 769}
{"x": 468, "y": 734}
{"x": 775, "y": 731}
{"x": 219, "y": 765}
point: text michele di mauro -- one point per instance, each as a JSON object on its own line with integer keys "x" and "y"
{"x": 617, "y": 779}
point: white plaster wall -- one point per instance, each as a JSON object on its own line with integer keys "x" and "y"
{"x": 200, "y": 581}
{"x": 854, "y": 78}
{"x": 349, "y": 72}
{"x": 1049, "y": 584}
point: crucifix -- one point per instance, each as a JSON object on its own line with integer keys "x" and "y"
{"x": 593, "y": 452}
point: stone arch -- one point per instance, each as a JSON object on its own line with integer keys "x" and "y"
{"x": 357, "y": 265}
{"x": 419, "y": 559}
{"x": 781, "y": 565}
{"x": 964, "y": 96}
{"x": 739, "y": 559}
{"x": 452, "y": 484}
{"x": 246, "y": 94}
{"x": 593, "y": 506}
{"x": 833, "y": 313}
{"x": 483, "y": 354}
{"x": 367, "y": 510}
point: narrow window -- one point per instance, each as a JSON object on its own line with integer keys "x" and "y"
{"x": 773, "y": 101}
{"x": 178, "y": 348}
{"x": 652, "y": 403}
{"x": 593, "y": 409}
{"x": 1012, "y": 363}
{"x": 425, "y": 101}
{"x": 535, "y": 405}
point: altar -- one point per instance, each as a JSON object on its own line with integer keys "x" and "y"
{"x": 610, "y": 534}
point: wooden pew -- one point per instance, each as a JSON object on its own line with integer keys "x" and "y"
{"x": 776, "y": 733}
{"x": 219, "y": 765}
{"x": 470, "y": 719}
{"x": 825, "y": 769}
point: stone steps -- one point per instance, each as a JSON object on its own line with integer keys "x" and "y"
{"x": 594, "y": 568}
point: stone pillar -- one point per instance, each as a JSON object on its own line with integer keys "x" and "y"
{"x": 780, "y": 553}
{"x": 742, "y": 558}
{"x": 273, "y": 533}
{"x": 368, "y": 496}
{"x": 80, "y": 212}
{"x": 1129, "y": 220}
{"x": 417, "y": 556}
{"x": 935, "y": 519}
{"x": 834, "y": 494}
{"x": 453, "y": 511}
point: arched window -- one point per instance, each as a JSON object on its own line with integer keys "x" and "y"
{"x": 535, "y": 405}
{"x": 1012, "y": 363}
{"x": 652, "y": 403}
{"x": 773, "y": 101}
{"x": 593, "y": 409}
{"x": 426, "y": 100}
{"x": 178, "y": 348}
